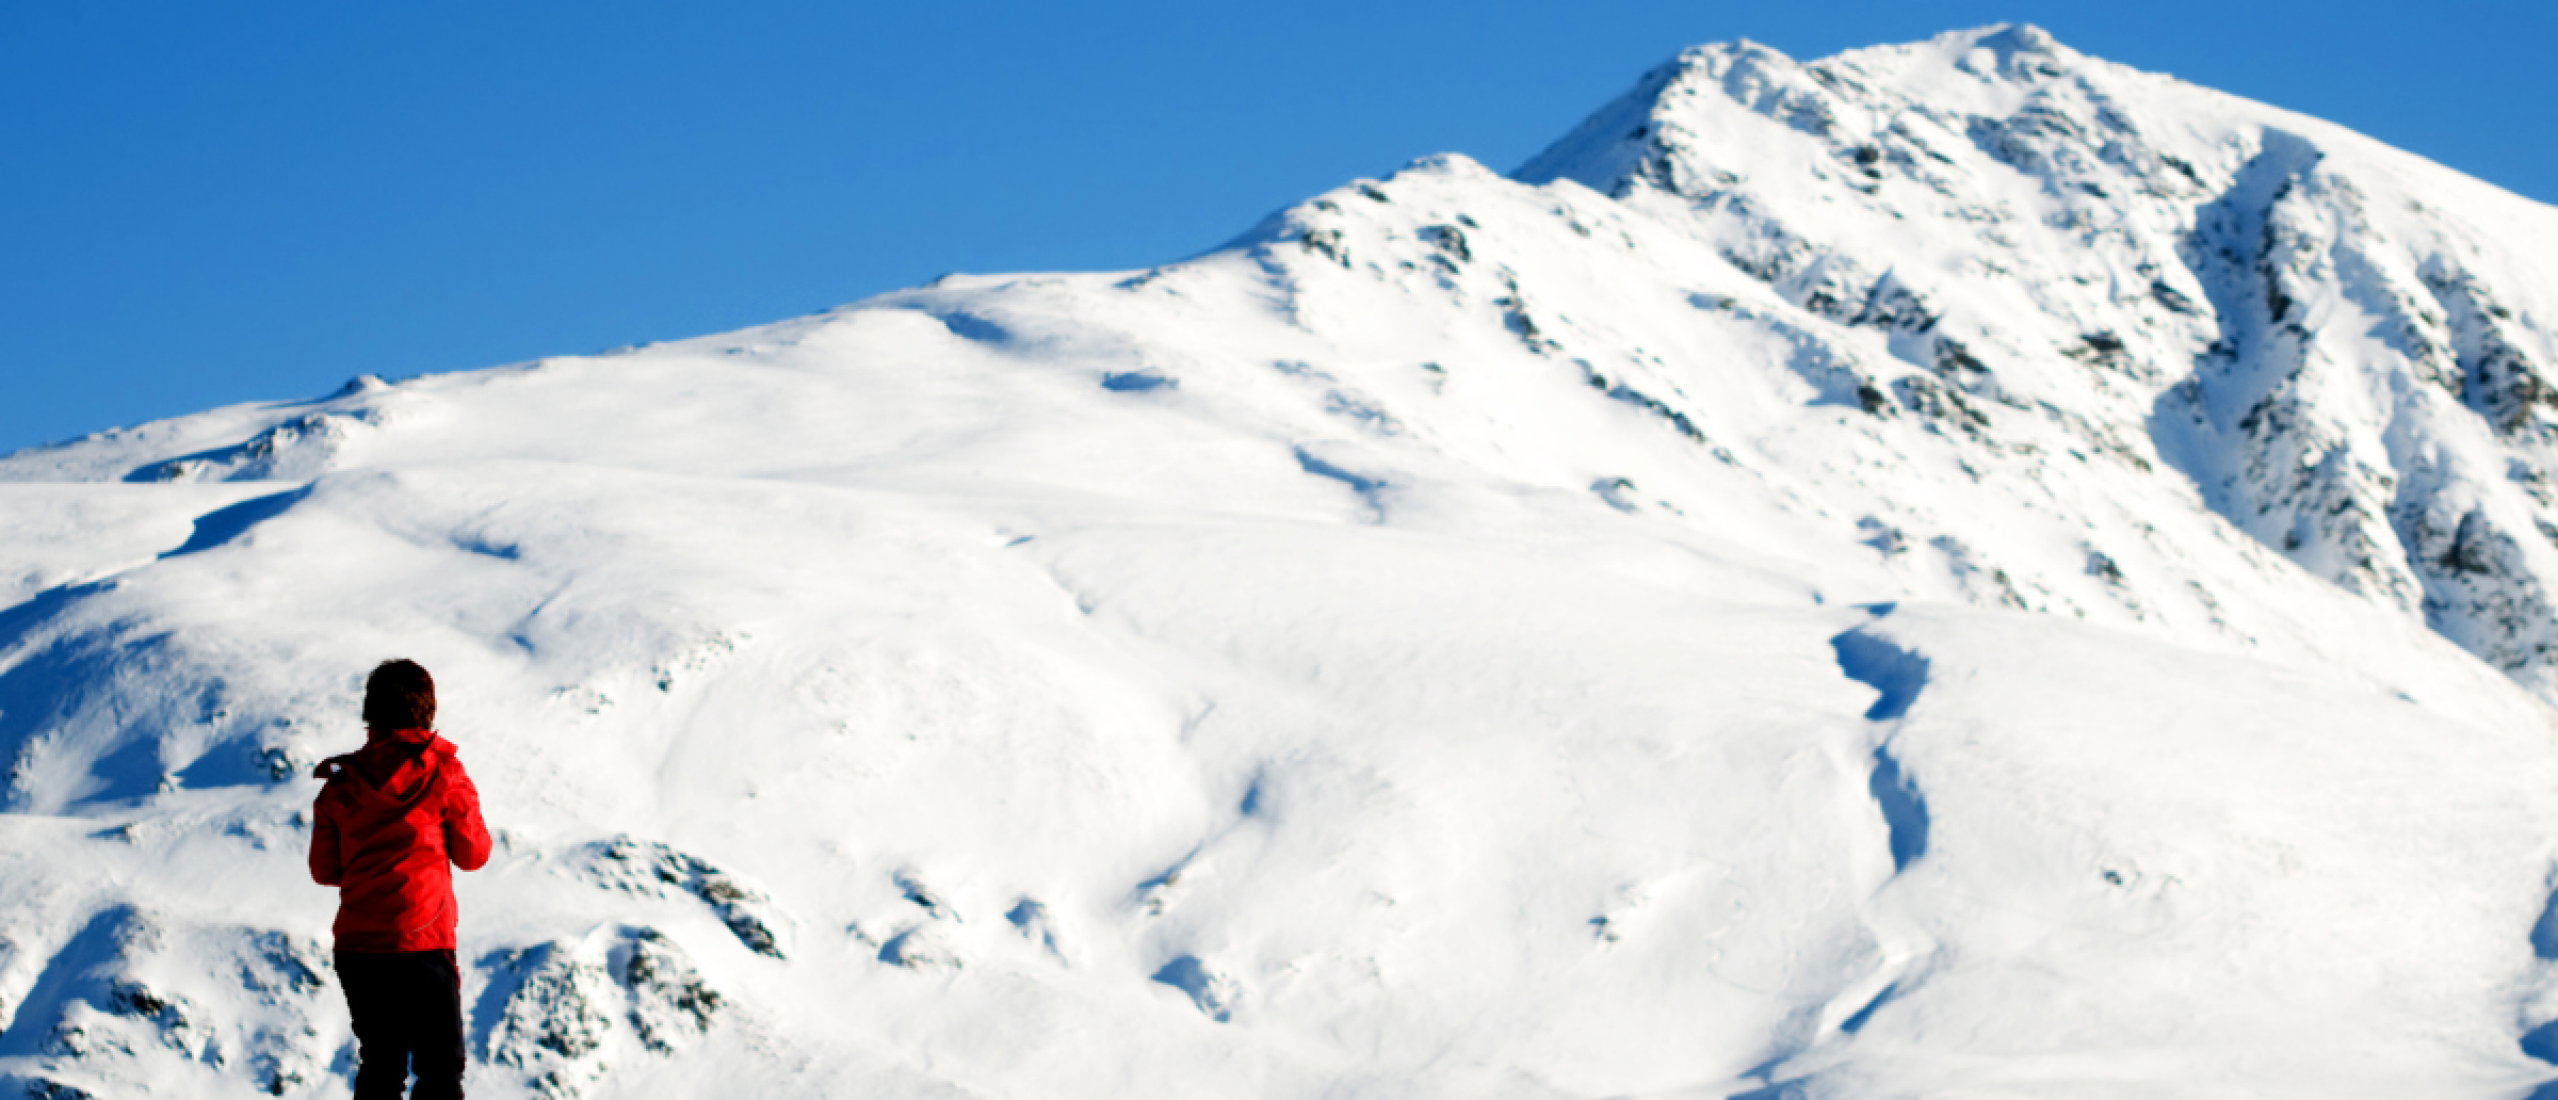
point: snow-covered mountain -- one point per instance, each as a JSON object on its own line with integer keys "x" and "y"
{"x": 1953, "y": 569}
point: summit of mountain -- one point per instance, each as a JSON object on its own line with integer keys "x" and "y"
{"x": 2345, "y": 347}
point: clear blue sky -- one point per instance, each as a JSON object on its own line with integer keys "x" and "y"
{"x": 205, "y": 203}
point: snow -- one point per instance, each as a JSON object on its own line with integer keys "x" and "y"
{"x": 1956, "y": 569}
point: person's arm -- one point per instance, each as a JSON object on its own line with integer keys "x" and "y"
{"x": 327, "y": 868}
{"x": 466, "y": 837}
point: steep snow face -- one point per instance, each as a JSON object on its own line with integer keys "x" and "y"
{"x": 1915, "y": 574}
{"x": 2348, "y": 349}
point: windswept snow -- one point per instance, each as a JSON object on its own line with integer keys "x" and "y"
{"x": 1954, "y": 569}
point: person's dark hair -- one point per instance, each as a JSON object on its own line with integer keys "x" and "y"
{"x": 399, "y": 696}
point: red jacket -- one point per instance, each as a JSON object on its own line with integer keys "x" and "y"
{"x": 396, "y": 817}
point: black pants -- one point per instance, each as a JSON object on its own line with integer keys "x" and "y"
{"x": 408, "y": 1015}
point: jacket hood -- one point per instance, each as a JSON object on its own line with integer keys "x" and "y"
{"x": 394, "y": 770}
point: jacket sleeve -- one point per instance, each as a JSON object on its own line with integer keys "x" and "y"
{"x": 466, "y": 837}
{"x": 328, "y": 868}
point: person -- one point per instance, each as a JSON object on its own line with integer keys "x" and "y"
{"x": 396, "y": 816}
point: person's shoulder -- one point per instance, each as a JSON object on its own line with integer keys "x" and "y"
{"x": 448, "y": 757}
{"x": 337, "y": 794}
{"x": 336, "y": 774}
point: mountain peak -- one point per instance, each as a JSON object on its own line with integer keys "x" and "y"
{"x": 1992, "y": 70}
{"x": 2009, "y": 39}
{"x": 2013, "y": 51}
{"x": 2020, "y": 36}
{"x": 1999, "y": 168}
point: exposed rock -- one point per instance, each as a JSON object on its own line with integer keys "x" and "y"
{"x": 647, "y": 867}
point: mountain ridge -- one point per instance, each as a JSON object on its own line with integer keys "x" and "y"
{"x": 2070, "y": 133}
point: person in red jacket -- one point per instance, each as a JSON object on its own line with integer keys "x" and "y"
{"x": 396, "y": 817}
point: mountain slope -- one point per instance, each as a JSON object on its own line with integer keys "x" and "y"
{"x": 1956, "y": 568}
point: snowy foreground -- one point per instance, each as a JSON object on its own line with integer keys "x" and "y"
{"x": 1952, "y": 570}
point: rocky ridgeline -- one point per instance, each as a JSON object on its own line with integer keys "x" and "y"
{"x": 2333, "y": 361}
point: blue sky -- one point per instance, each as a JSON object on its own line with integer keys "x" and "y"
{"x": 210, "y": 203}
